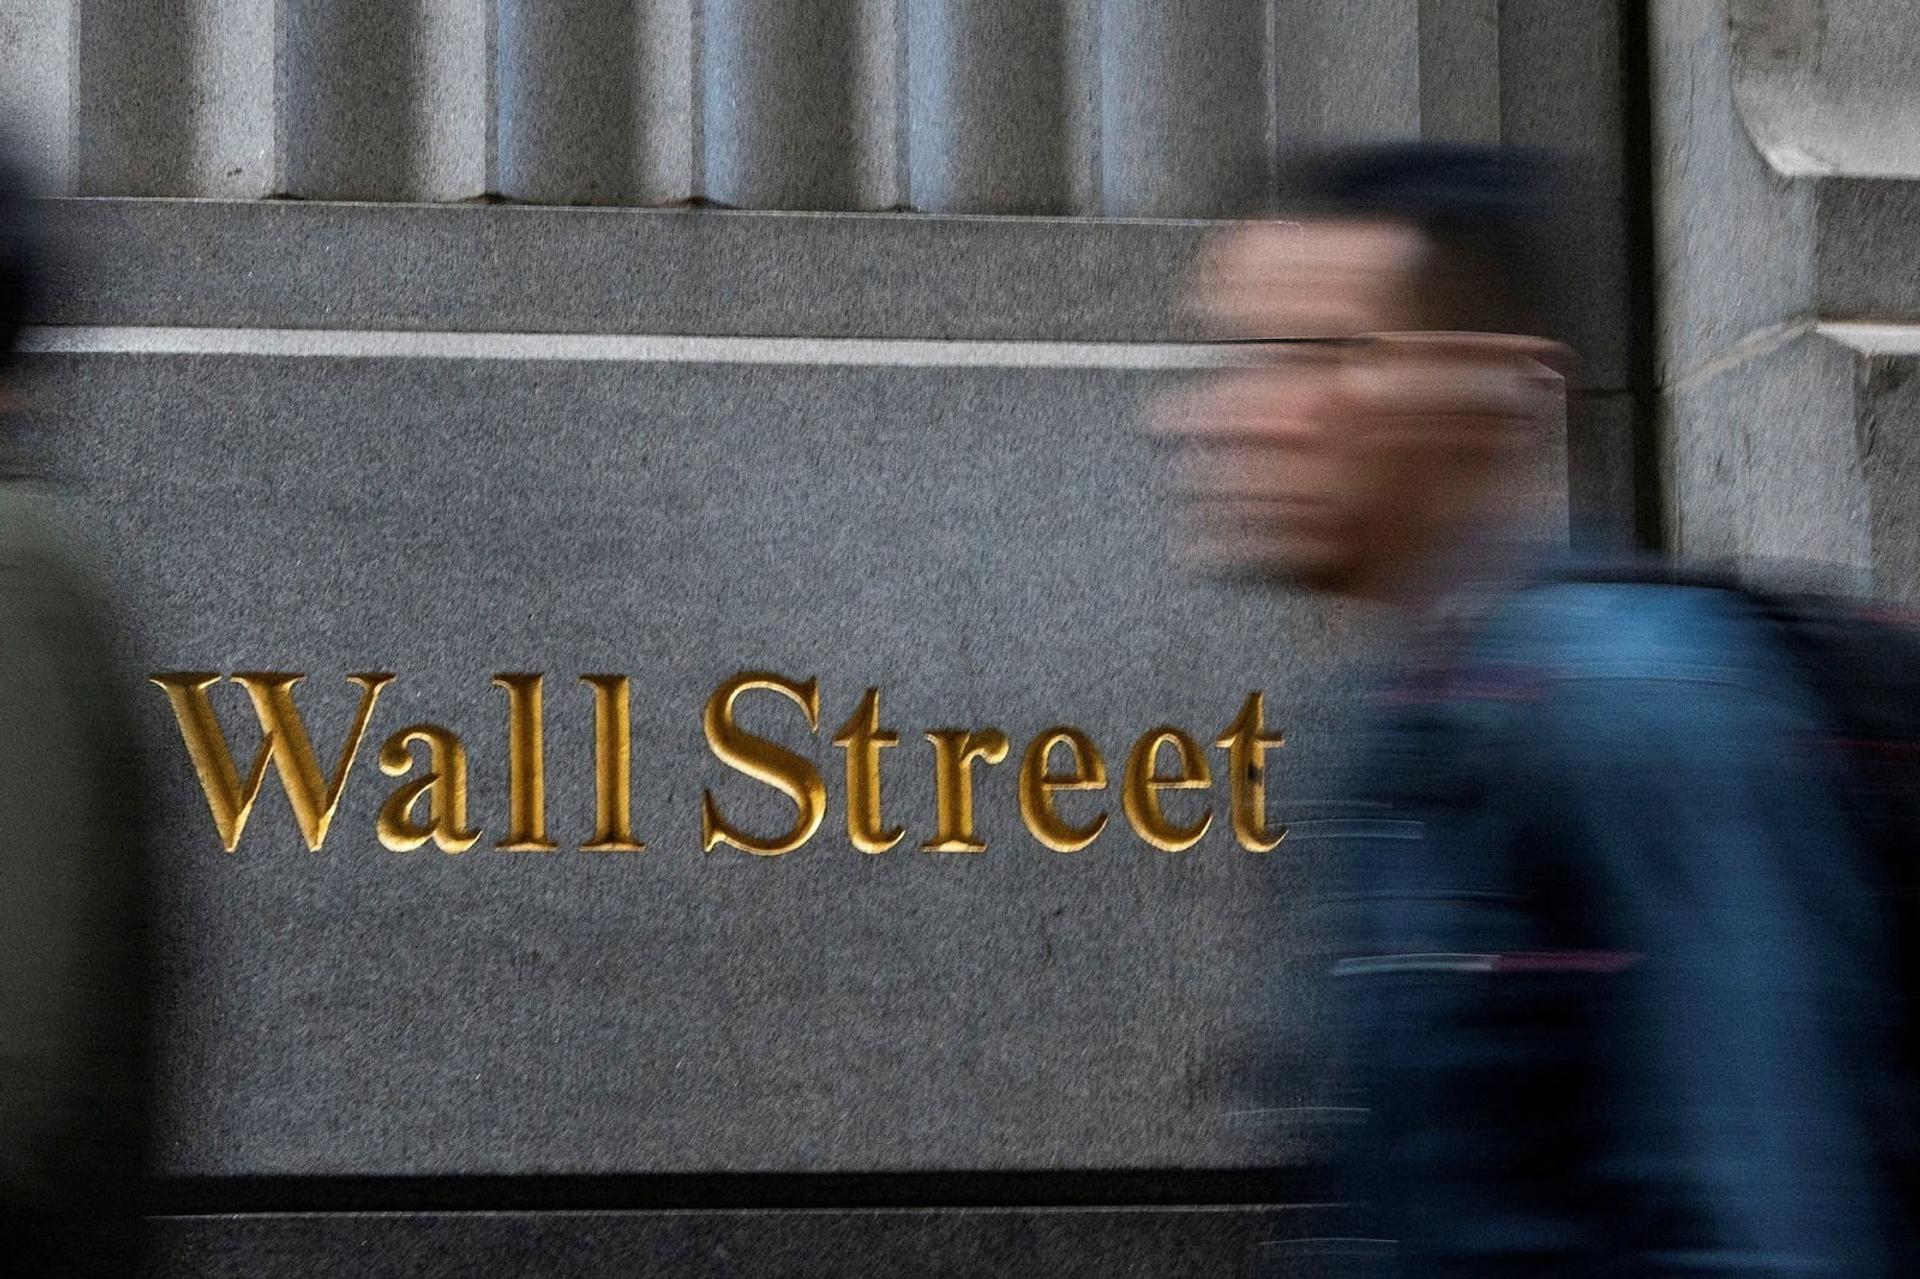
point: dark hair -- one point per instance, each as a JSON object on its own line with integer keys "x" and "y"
{"x": 19, "y": 255}
{"x": 1488, "y": 211}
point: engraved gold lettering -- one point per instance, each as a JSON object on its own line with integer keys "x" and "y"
{"x": 526, "y": 766}
{"x": 1246, "y": 743}
{"x": 1038, "y": 782}
{"x": 792, "y": 775}
{"x": 283, "y": 741}
{"x": 444, "y": 786}
{"x": 1140, "y": 792}
{"x": 863, "y": 739}
{"x": 612, "y": 766}
{"x": 954, "y": 750}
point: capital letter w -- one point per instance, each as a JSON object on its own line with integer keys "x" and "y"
{"x": 283, "y": 741}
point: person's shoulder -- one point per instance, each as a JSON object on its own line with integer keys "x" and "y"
{"x": 1640, "y": 687}
{"x": 1635, "y": 631}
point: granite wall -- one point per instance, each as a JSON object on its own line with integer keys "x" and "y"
{"x": 1790, "y": 285}
{"x": 450, "y": 442}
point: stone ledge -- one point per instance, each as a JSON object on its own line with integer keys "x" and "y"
{"x": 665, "y": 272}
{"x": 506, "y": 268}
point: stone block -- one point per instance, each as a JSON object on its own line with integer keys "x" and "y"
{"x": 985, "y": 546}
{"x": 1800, "y": 456}
{"x": 1885, "y": 383}
{"x": 1866, "y": 256}
{"x": 1764, "y": 462}
{"x": 296, "y": 265}
{"x": 1733, "y": 238}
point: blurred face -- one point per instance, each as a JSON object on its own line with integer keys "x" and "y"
{"x": 1344, "y": 446}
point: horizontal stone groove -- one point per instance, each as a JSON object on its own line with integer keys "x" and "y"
{"x": 628, "y": 348}
{"x": 1127, "y": 1188}
{"x": 1027, "y": 106}
{"x": 936, "y": 1243}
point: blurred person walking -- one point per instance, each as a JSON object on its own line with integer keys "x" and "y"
{"x": 1612, "y": 976}
{"x": 72, "y": 966}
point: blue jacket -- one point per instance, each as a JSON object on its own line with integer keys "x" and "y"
{"x": 1610, "y": 974}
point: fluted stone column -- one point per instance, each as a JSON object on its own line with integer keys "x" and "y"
{"x": 384, "y": 99}
{"x": 173, "y": 97}
{"x": 596, "y": 101}
{"x": 36, "y": 49}
{"x": 987, "y": 118}
{"x": 802, "y": 104}
{"x": 1185, "y": 118}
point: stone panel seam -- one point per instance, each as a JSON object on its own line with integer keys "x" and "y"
{"x": 1754, "y": 345}
{"x": 630, "y": 348}
{"x": 1038, "y": 1208}
{"x": 1295, "y": 1187}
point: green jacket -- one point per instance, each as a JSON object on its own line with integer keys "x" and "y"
{"x": 73, "y": 967}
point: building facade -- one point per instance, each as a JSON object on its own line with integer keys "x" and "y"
{"x": 769, "y": 373}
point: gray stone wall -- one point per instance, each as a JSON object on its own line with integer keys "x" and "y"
{"x": 975, "y": 526}
{"x": 450, "y": 441}
{"x": 1790, "y": 299}
{"x": 1103, "y": 107}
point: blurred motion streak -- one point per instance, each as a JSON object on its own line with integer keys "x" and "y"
{"x": 1631, "y": 1003}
